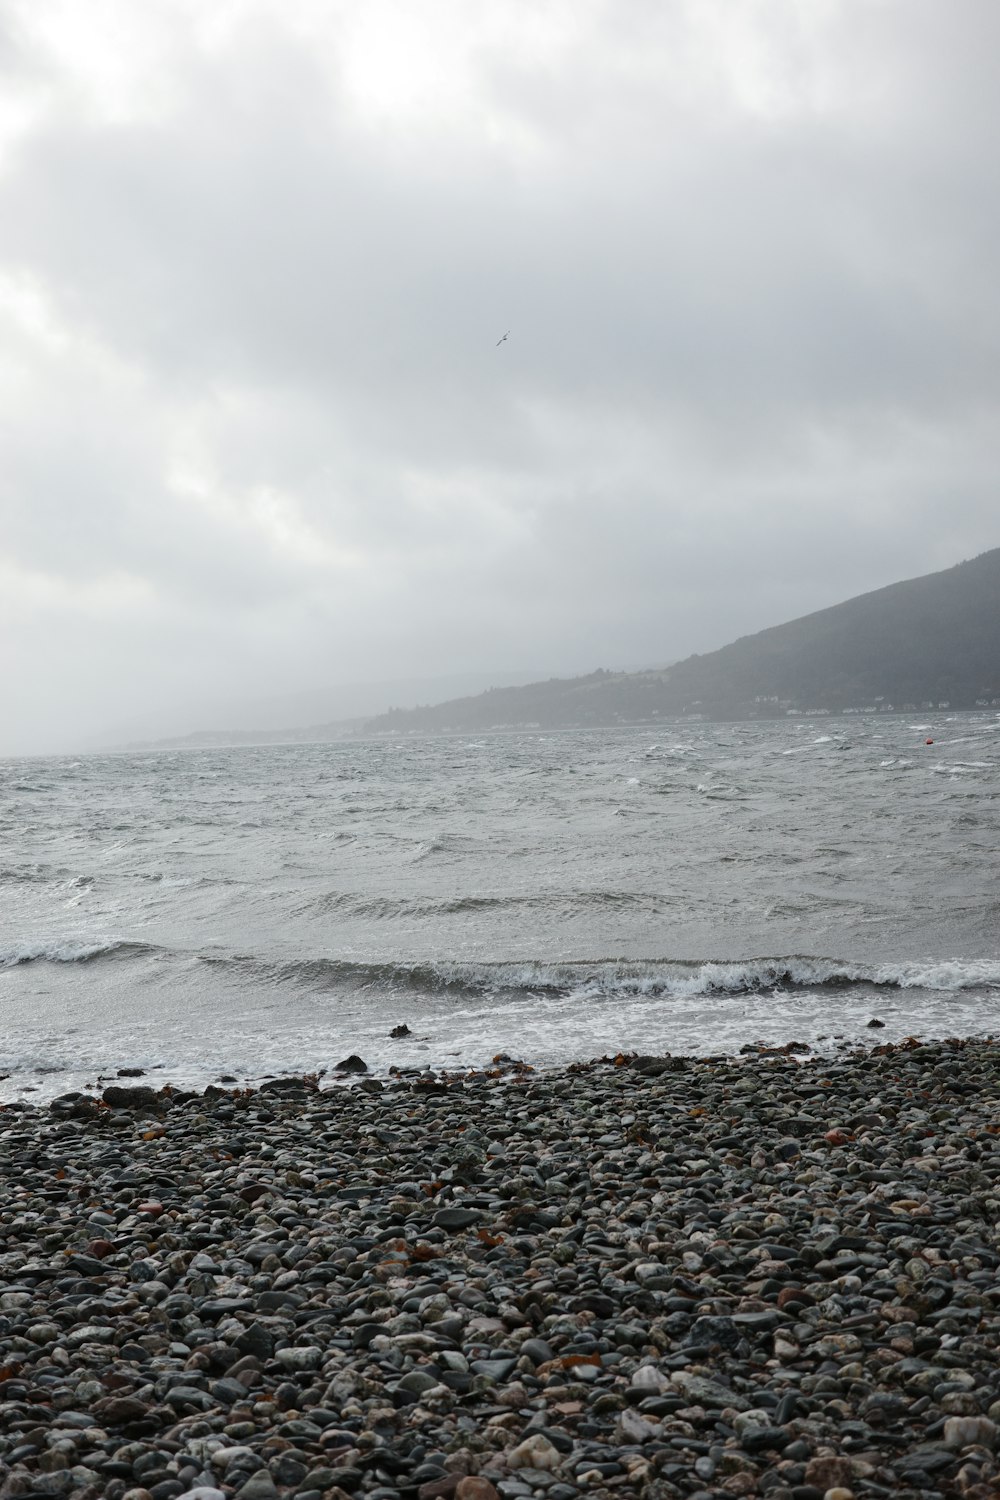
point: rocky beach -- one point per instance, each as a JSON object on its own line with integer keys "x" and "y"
{"x": 774, "y": 1274}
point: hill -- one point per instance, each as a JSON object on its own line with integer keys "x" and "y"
{"x": 927, "y": 642}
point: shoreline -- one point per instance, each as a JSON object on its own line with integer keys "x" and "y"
{"x": 663, "y": 1276}
{"x": 415, "y": 1054}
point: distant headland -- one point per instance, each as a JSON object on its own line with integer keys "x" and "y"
{"x": 927, "y": 643}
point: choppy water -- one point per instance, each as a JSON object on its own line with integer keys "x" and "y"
{"x": 551, "y": 896}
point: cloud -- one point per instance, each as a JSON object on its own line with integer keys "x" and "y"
{"x": 256, "y": 259}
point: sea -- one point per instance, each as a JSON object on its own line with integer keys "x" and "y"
{"x": 690, "y": 888}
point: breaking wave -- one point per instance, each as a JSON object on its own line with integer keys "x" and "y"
{"x": 55, "y": 952}
{"x": 589, "y": 980}
{"x": 594, "y": 980}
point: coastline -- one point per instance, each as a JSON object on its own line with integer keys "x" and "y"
{"x": 656, "y": 1276}
{"x": 723, "y": 1007}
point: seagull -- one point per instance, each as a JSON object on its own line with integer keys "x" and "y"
{"x": 503, "y": 340}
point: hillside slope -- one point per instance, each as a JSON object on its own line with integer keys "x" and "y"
{"x": 927, "y": 641}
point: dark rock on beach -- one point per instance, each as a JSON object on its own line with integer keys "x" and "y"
{"x": 136, "y": 1097}
{"x": 757, "y": 1277}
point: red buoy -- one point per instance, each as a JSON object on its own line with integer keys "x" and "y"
{"x": 928, "y": 742}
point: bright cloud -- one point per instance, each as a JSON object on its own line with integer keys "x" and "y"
{"x": 256, "y": 434}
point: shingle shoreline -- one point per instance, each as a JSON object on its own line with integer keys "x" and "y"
{"x": 650, "y": 1276}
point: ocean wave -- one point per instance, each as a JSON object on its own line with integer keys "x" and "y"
{"x": 607, "y": 979}
{"x": 55, "y": 952}
{"x": 814, "y": 973}
{"x": 752, "y": 976}
{"x": 391, "y": 907}
{"x": 31, "y": 874}
{"x": 592, "y": 980}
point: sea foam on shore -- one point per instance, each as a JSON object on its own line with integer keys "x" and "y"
{"x": 655, "y": 1276}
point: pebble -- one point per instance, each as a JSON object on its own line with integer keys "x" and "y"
{"x": 691, "y": 1278}
{"x": 473, "y": 1487}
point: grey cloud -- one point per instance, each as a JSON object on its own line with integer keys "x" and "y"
{"x": 748, "y": 264}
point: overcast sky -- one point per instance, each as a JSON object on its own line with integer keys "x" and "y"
{"x": 255, "y": 257}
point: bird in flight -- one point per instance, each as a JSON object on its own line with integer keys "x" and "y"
{"x": 503, "y": 340}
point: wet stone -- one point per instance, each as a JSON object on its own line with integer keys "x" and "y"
{"x": 614, "y": 1278}
{"x": 457, "y": 1218}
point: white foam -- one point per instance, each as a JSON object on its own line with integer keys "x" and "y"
{"x": 53, "y": 952}
{"x": 769, "y": 973}
{"x": 951, "y": 975}
{"x": 746, "y": 976}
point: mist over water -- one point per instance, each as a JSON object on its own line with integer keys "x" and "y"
{"x": 556, "y": 896}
